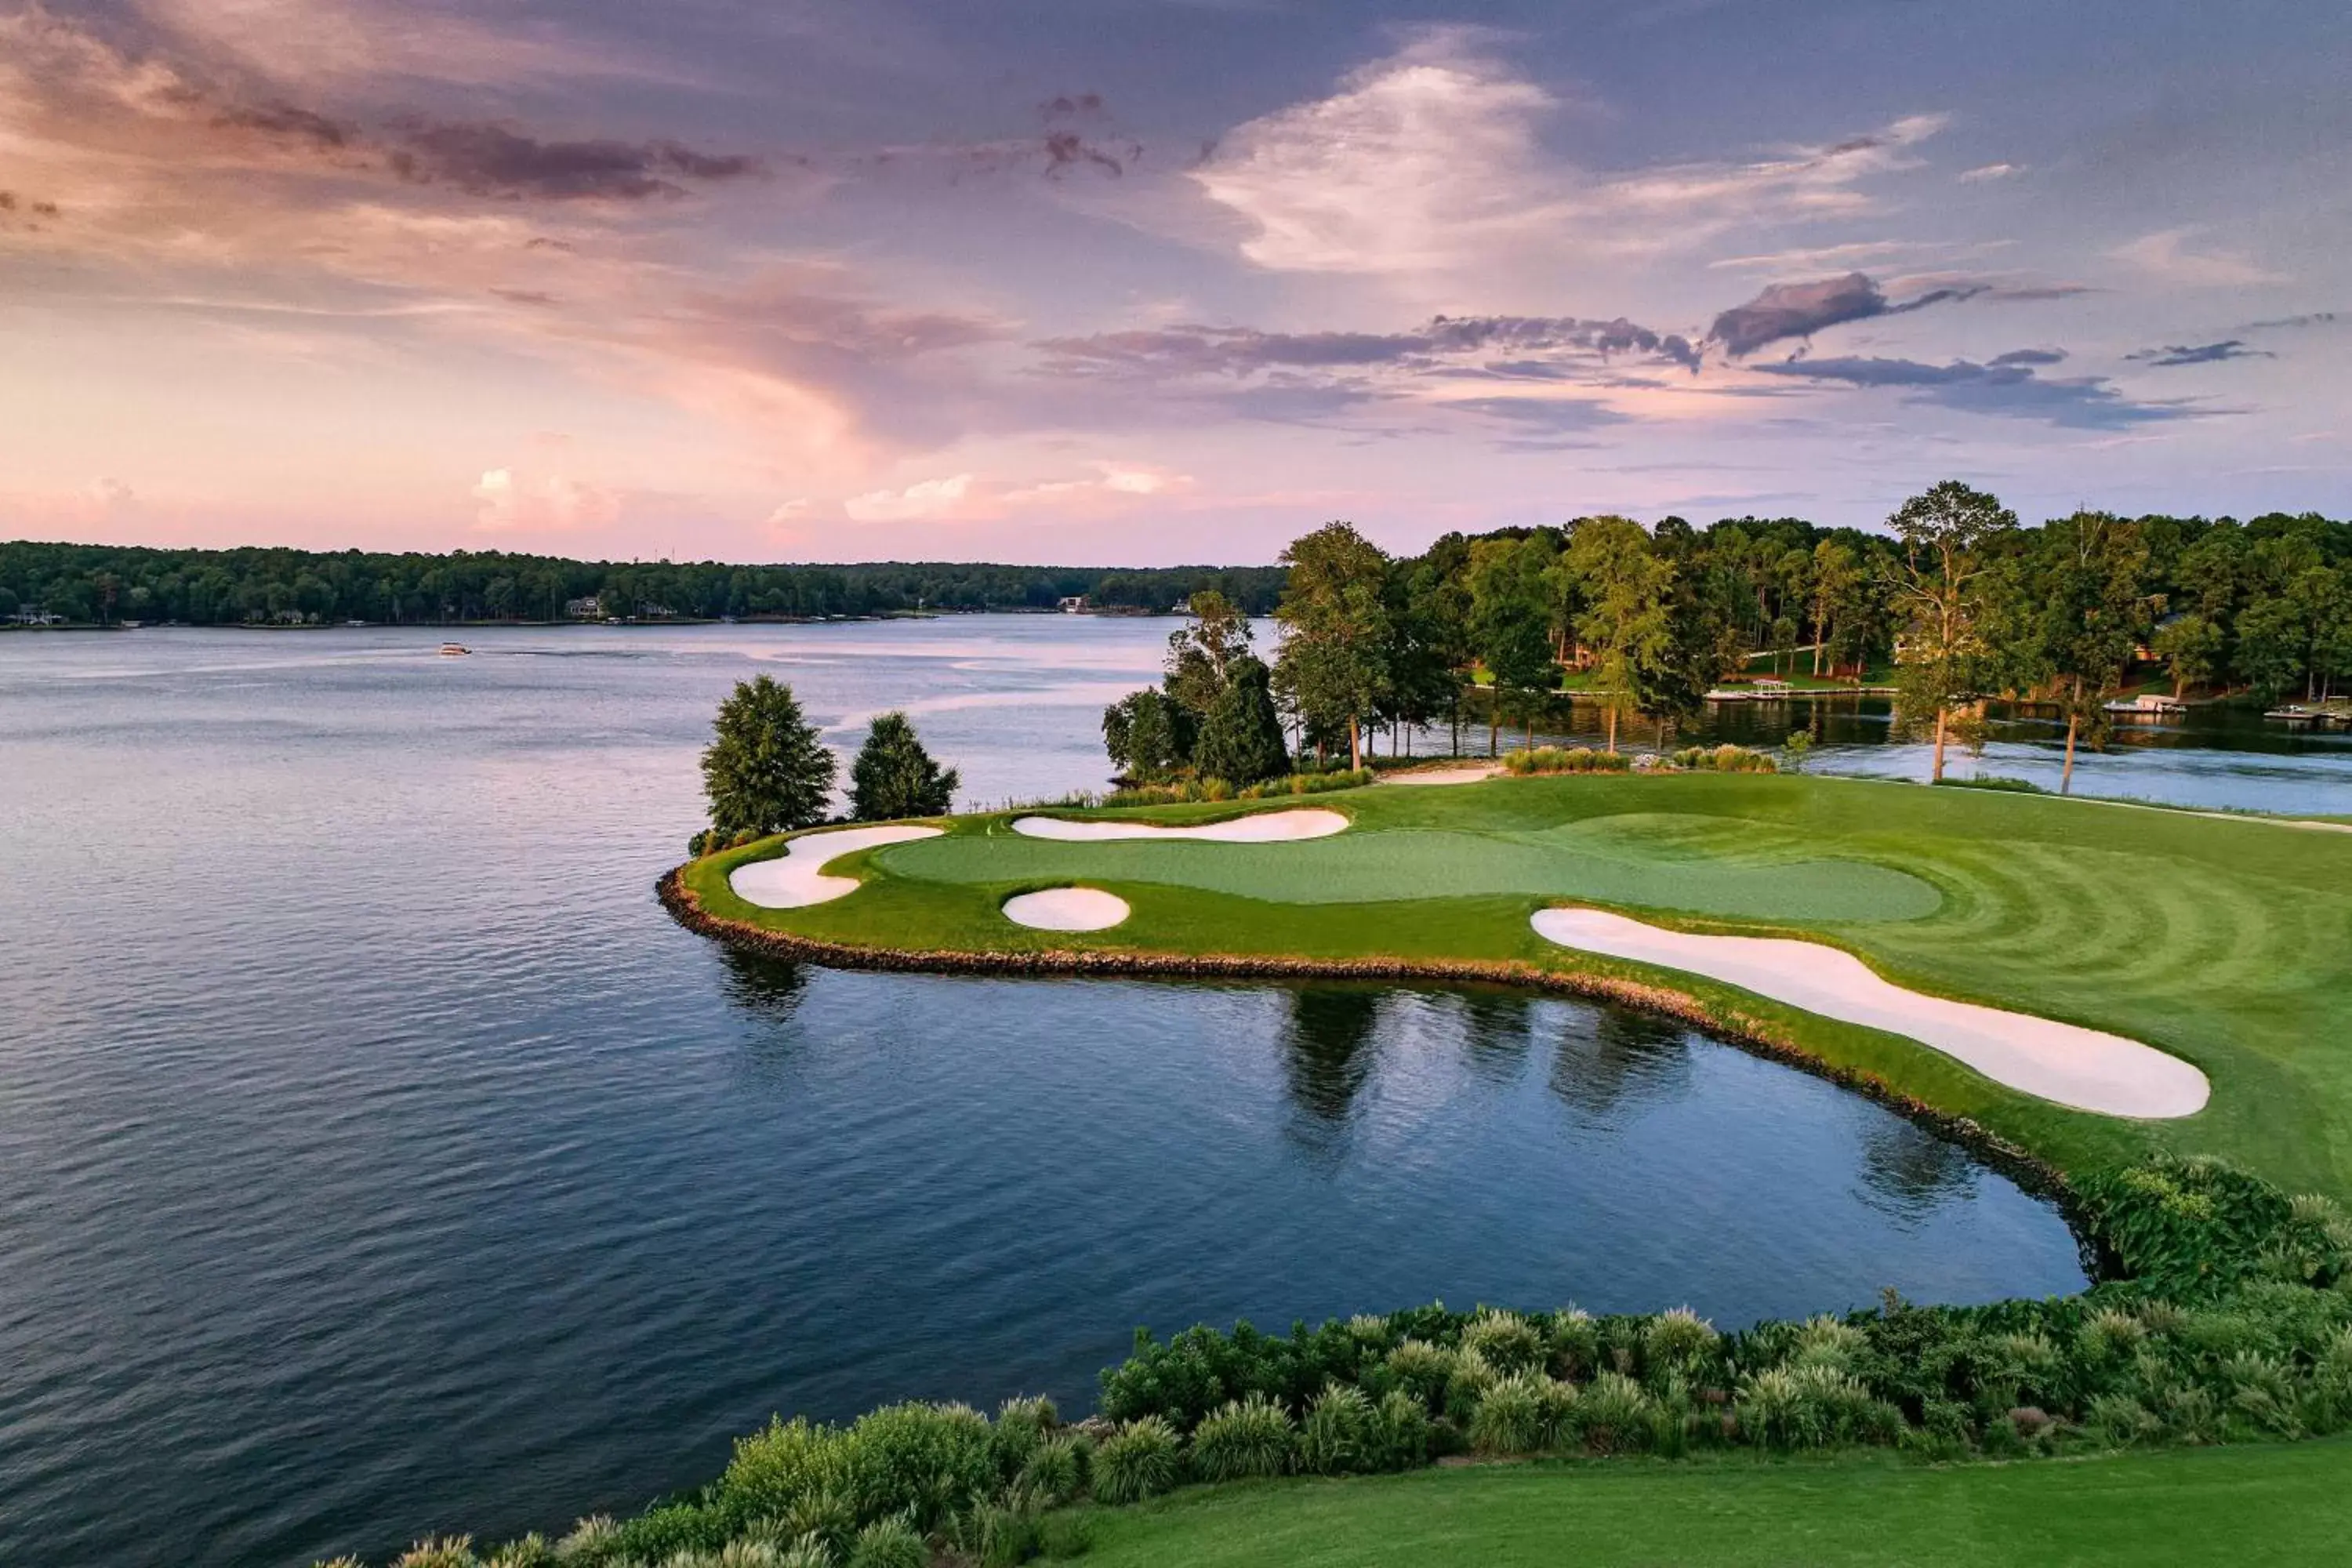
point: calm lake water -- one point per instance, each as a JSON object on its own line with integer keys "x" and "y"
{"x": 376, "y": 1157}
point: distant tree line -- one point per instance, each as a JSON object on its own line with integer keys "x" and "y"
{"x": 96, "y": 583}
{"x": 1955, "y": 603}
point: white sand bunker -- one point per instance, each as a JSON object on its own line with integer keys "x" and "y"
{"x": 1447, "y": 776}
{"x": 2080, "y": 1067}
{"x": 795, "y": 878}
{"x": 1267, "y": 827}
{"x": 1067, "y": 909}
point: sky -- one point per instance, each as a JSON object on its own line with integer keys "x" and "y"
{"x": 1155, "y": 282}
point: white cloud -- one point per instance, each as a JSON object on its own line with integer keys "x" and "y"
{"x": 1433, "y": 162}
{"x": 790, "y": 512}
{"x": 2160, "y": 256}
{"x": 1984, "y": 172}
{"x": 538, "y": 495}
{"x": 927, "y": 500}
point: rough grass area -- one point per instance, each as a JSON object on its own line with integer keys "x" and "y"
{"x": 2226, "y": 941}
{"x": 2245, "y": 1505}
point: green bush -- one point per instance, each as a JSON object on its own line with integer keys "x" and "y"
{"x": 1140, "y": 1459}
{"x": 1054, "y": 1471}
{"x": 1573, "y": 760}
{"x": 1514, "y": 1415}
{"x": 1506, "y": 1342}
{"x": 1339, "y": 1434}
{"x": 925, "y": 1461}
{"x": 1993, "y": 781}
{"x": 1250, "y": 1437}
{"x": 889, "y": 1543}
{"x": 1725, "y": 759}
{"x": 1399, "y": 1437}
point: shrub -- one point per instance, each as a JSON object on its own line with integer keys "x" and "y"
{"x": 1575, "y": 1343}
{"x": 826, "y": 1516}
{"x": 531, "y": 1551}
{"x": 1138, "y": 1460}
{"x": 1250, "y": 1436}
{"x": 889, "y": 1543}
{"x": 1507, "y": 1341}
{"x": 452, "y": 1551}
{"x": 1400, "y": 1435}
{"x": 1067, "y": 1535}
{"x": 1613, "y": 1413}
{"x": 925, "y": 1461}
{"x": 1677, "y": 1339}
{"x": 1421, "y": 1370}
{"x": 774, "y": 1468}
{"x": 1339, "y": 1434}
{"x": 1055, "y": 1471}
{"x": 1514, "y": 1415}
{"x": 1021, "y": 1426}
{"x": 808, "y": 1552}
{"x": 1725, "y": 759}
{"x": 1574, "y": 760}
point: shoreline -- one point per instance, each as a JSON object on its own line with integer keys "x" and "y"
{"x": 2036, "y": 1175}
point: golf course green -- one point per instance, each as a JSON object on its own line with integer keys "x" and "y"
{"x": 2224, "y": 941}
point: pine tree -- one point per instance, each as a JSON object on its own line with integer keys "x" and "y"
{"x": 765, "y": 771}
{"x": 895, "y": 777}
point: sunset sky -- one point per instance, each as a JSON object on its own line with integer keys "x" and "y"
{"x": 1155, "y": 280}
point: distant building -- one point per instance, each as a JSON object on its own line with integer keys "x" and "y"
{"x": 1074, "y": 606}
{"x": 585, "y": 608}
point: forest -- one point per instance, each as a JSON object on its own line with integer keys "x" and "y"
{"x": 85, "y": 585}
{"x": 1954, "y": 603}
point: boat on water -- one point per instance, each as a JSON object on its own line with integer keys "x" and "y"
{"x": 455, "y": 651}
{"x": 2147, "y": 705}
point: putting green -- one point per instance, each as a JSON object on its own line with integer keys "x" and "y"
{"x": 1695, "y": 864}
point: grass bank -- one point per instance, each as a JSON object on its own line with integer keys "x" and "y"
{"x": 2243, "y": 1505}
{"x": 2226, "y": 943}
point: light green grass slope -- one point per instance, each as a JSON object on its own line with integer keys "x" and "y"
{"x": 2266, "y": 1505}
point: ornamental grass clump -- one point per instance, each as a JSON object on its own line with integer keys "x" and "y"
{"x": 1339, "y": 1433}
{"x": 1612, "y": 1415}
{"x": 1677, "y": 1340}
{"x": 1140, "y": 1459}
{"x": 1521, "y": 1414}
{"x": 1725, "y": 759}
{"x": 1506, "y": 1342}
{"x": 1572, "y": 760}
{"x": 1054, "y": 1471}
{"x": 1248, "y": 1437}
{"x": 1421, "y": 1370}
{"x": 924, "y": 1461}
{"x": 889, "y": 1543}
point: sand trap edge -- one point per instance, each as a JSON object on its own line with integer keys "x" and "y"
{"x": 2085, "y": 1069}
{"x": 795, "y": 879}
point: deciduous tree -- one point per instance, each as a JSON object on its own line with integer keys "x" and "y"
{"x": 1947, "y": 535}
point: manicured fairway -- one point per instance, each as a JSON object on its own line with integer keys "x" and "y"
{"x": 2226, "y": 941}
{"x": 2260, "y": 1505}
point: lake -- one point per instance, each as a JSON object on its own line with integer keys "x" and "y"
{"x": 376, "y": 1157}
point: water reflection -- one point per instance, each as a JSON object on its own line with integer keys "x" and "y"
{"x": 1497, "y": 1028}
{"x": 1909, "y": 1174}
{"x": 1327, "y": 1053}
{"x": 1609, "y": 1061}
{"x": 769, "y": 989}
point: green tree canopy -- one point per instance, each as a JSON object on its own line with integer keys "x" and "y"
{"x": 1335, "y": 664}
{"x": 1241, "y": 738}
{"x": 765, "y": 770}
{"x": 1511, "y": 598}
{"x": 1628, "y": 621}
{"x": 1147, "y": 736}
{"x": 1949, "y": 535}
{"x": 894, "y": 776}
